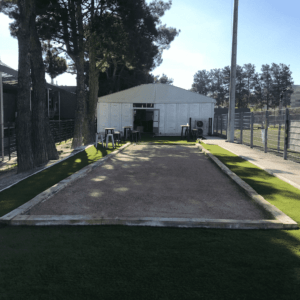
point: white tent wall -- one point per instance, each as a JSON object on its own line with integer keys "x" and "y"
{"x": 174, "y": 115}
{"x": 115, "y": 115}
{"x": 171, "y": 116}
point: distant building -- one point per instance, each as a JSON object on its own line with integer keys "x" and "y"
{"x": 61, "y": 100}
{"x": 295, "y": 97}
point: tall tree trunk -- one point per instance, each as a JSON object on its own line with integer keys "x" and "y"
{"x": 42, "y": 139}
{"x": 23, "y": 122}
{"x": 50, "y": 143}
{"x": 80, "y": 103}
{"x": 80, "y": 93}
{"x": 89, "y": 129}
{"x": 38, "y": 100}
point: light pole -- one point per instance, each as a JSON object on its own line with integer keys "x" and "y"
{"x": 231, "y": 110}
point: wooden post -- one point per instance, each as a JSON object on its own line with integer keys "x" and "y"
{"x": 286, "y": 133}
{"x": 266, "y": 131}
{"x": 241, "y": 128}
{"x": 251, "y": 128}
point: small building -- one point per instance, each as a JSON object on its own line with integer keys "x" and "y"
{"x": 61, "y": 100}
{"x": 155, "y": 108}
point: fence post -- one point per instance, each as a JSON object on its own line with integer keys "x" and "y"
{"x": 8, "y": 125}
{"x": 59, "y": 130}
{"x": 241, "y": 128}
{"x": 251, "y": 129}
{"x": 279, "y": 131}
{"x": 226, "y": 123}
{"x": 221, "y": 124}
{"x": 266, "y": 131}
{"x": 214, "y": 125}
{"x": 286, "y": 133}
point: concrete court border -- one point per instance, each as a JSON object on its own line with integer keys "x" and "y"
{"x": 57, "y": 187}
{"x": 19, "y": 217}
{"x": 76, "y": 151}
{"x": 279, "y": 216}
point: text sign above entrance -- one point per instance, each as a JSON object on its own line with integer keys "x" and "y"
{"x": 143, "y": 105}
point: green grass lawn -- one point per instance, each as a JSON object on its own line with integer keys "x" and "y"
{"x": 115, "y": 262}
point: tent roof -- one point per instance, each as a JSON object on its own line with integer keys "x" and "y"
{"x": 155, "y": 93}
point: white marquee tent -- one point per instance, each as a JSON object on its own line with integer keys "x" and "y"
{"x": 167, "y": 105}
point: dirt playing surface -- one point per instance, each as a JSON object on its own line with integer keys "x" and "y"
{"x": 172, "y": 181}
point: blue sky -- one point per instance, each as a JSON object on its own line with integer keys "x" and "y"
{"x": 268, "y": 31}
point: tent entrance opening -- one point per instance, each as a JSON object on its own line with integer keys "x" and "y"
{"x": 146, "y": 120}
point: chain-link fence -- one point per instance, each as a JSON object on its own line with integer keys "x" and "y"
{"x": 276, "y": 131}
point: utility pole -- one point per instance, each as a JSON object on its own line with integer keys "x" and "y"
{"x": 231, "y": 110}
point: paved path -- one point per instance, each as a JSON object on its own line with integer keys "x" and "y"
{"x": 286, "y": 170}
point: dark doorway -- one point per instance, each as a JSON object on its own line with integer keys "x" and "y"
{"x": 144, "y": 118}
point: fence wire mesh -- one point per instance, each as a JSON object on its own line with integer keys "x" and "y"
{"x": 275, "y": 131}
{"x": 294, "y": 134}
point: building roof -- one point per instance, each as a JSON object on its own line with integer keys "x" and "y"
{"x": 10, "y": 78}
{"x": 71, "y": 89}
{"x": 155, "y": 93}
{"x": 9, "y": 75}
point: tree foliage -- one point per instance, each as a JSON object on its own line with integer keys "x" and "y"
{"x": 122, "y": 41}
{"x": 54, "y": 64}
{"x": 252, "y": 88}
{"x": 163, "y": 79}
{"x": 134, "y": 49}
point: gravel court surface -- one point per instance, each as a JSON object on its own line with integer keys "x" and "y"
{"x": 172, "y": 181}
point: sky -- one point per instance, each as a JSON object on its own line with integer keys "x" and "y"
{"x": 268, "y": 31}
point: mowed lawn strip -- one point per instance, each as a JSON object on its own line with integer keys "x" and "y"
{"x": 120, "y": 262}
{"x": 27, "y": 189}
